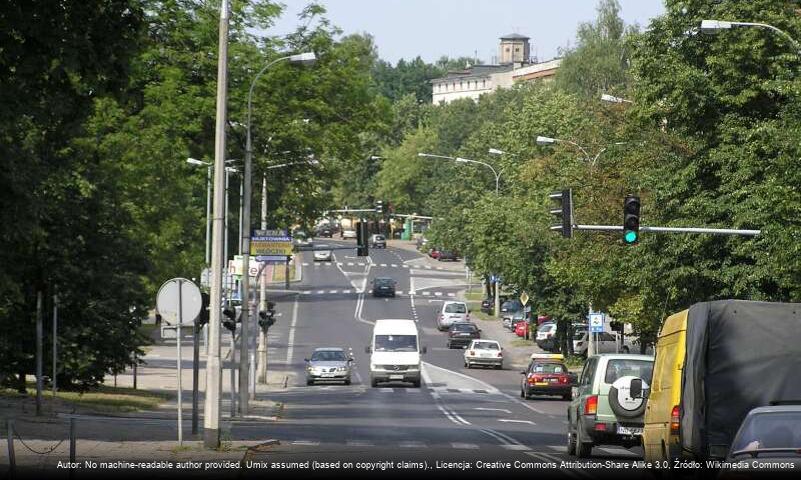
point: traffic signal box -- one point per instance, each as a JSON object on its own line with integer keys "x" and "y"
{"x": 563, "y": 212}
{"x": 631, "y": 219}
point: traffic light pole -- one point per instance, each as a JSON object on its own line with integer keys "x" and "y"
{"x": 711, "y": 231}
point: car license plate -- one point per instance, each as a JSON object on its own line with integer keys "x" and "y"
{"x": 327, "y": 375}
{"x": 629, "y": 430}
{"x": 553, "y": 380}
{"x": 486, "y": 354}
{"x": 540, "y": 384}
{"x": 396, "y": 377}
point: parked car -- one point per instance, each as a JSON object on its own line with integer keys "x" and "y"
{"x": 348, "y": 233}
{"x": 717, "y": 361}
{"x": 606, "y": 342}
{"x": 546, "y": 375}
{"x": 328, "y": 364}
{"x": 460, "y": 334}
{"x": 488, "y": 305}
{"x": 384, "y": 287}
{"x": 546, "y": 336}
{"x": 511, "y": 306}
{"x": 487, "y": 353}
{"x": 447, "y": 255}
{"x": 603, "y": 411}
{"x": 521, "y": 326}
{"x": 452, "y": 312}
{"x": 322, "y": 255}
{"x": 509, "y": 321}
{"x": 378, "y": 241}
{"x": 301, "y": 239}
{"x": 770, "y": 434}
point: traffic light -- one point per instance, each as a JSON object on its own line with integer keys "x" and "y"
{"x": 379, "y": 206}
{"x": 361, "y": 239}
{"x": 563, "y": 212}
{"x": 203, "y": 316}
{"x": 631, "y": 220}
{"x": 267, "y": 317}
{"x": 229, "y": 318}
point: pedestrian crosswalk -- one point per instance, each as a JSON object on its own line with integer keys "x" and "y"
{"x": 377, "y": 265}
{"x": 557, "y": 450}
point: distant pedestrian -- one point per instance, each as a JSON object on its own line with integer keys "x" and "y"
{"x": 158, "y": 319}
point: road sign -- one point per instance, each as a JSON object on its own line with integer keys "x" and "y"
{"x": 596, "y": 322}
{"x": 269, "y": 233}
{"x": 167, "y": 301}
{"x": 271, "y": 245}
{"x": 524, "y": 298}
{"x": 271, "y": 258}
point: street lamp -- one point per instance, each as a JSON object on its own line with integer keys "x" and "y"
{"x": 550, "y": 141}
{"x": 209, "y": 166}
{"x": 496, "y": 173}
{"x": 306, "y": 58}
{"x": 712, "y": 27}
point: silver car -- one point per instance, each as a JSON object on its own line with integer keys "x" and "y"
{"x": 329, "y": 364}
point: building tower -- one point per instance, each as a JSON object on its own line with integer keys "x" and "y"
{"x": 514, "y": 48}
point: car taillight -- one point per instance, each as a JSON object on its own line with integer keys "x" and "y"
{"x": 674, "y": 420}
{"x": 500, "y": 354}
{"x": 534, "y": 379}
{"x": 591, "y": 405}
{"x": 562, "y": 379}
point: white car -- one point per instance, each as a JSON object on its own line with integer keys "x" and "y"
{"x": 322, "y": 255}
{"x": 546, "y": 336}
{"x": 452, "y": 312}
{"x": 487, "y": 353}
{"x": 349, "y": 234}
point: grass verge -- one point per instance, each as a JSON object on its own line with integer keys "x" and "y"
{"x": 104, "y": 398}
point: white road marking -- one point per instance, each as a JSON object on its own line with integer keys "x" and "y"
{"x": 412, "y": 444}
{"x": 507, "y": 420}
{"x": 310, "y": 443}
{"x": 334, "y": 291}
{"x": 512, "y": 446}
{"x": 464, "y": 446}
{"x": 494, "y": 410}
{"x": 319, "y": 292}
{"x": 290, "y": 351}
{"x": 394, "y": 266}
{"x": 451, "y": 294}
{"x": 437, "y": 294}
{"x": 359, "y": 443}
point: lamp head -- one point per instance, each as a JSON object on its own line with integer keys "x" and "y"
{"x": 306, "y": 58}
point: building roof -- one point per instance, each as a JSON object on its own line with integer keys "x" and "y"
{"x": 515, "y": 36}
{"x": 476, "y": 71}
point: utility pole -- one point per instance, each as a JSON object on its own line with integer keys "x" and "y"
{"x": 261, "y": 372}
{"x": 211, "y": 412}
{"x": 39, "y": 352}
{"x": 55, "y": 341}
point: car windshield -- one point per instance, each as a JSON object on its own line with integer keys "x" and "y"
{"x": 486, "y": 346}
{"x": 769, "y": 430}
{"x": 396, "y": 343}
{"x": 328, "y": 356}
{"x": 379, "y": 237}
{"x": 550, "y": 367}
{"x": 579, "y": 334}
{"x": 455, "y": 308}
{"x": 547, "y": 327}
{"x": 629, "y": 367}
{"x": 512, "y": 306}
{"x": 384, "y": 281}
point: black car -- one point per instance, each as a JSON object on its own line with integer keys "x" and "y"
{"x": 488, "y": 305}
{"x": 447, "y": 255}
{"x": 325, "y": 232}
{"x": 511, "y": 306}
{"x": 384, "y": 287}
{"x": 462, "y": 333}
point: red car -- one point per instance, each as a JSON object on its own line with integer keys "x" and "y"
{"x": 520, "y": 328}
{"x": 546, "y": 376}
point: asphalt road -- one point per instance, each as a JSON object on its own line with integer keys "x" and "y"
{"x": 458, "y": 414}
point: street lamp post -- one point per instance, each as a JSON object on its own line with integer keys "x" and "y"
{"x": 605, "y": 97}
{"x": 714, "y": 26}
{"x": 591, "y": 160}
{"x": 302, "y": 58}
{"x": 495, "y": 173}
{"x": 208, "y": 203}
{"x": 211, "y": 412}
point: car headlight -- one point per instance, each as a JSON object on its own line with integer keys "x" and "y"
{"x": 342, "y": 369}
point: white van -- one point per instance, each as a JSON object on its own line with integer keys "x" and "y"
{"x": 395, "y": 352}
{"x": 452, "y": 312}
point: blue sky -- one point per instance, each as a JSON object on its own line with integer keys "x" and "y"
{"x": 433, "y": 28}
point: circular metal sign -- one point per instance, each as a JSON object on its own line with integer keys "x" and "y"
{"x": 167, "y": 301}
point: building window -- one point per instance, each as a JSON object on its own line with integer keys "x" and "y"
{"x": 507, "y": 49}
{"x": 483, "y": 84}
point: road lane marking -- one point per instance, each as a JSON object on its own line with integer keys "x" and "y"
{"x": 290, "y": 351}
{"x": 493, "y": 410}
{"x": 509, "y": 420}
{"x": 359, "y": 443}
{"x": 464, "y": 446}
{"x": 310, "y": 443}
{"x": 412, "y": 444}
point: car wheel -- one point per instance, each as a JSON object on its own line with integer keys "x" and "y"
{"x": 309, "y": 381}
{"x": 571, "y": 442}
{"x": 583, "y": 447}
{"x": 347, "y": 381}
{"x": 416, "y": 383}
{"x": 373, "y": 382}
{"x": 467, "y": 365}
{"x": 499, "y": 366}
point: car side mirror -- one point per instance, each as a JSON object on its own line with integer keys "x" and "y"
{"x": 424, "y": 350}
{"x": 367, "y": 349}
{"x": 350, "y": 360}
{"x": 306, "y": 360}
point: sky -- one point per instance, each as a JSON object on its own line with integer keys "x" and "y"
{"x": 455, "y": 28}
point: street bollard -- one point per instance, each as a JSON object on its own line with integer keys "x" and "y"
{"x": 12, "y": 461}
{"x": 73, "y": 442}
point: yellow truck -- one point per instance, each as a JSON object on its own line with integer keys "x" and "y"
{"x": 714, "y": 363}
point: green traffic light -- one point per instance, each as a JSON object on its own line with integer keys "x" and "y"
{"x": 630, "y": 237}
